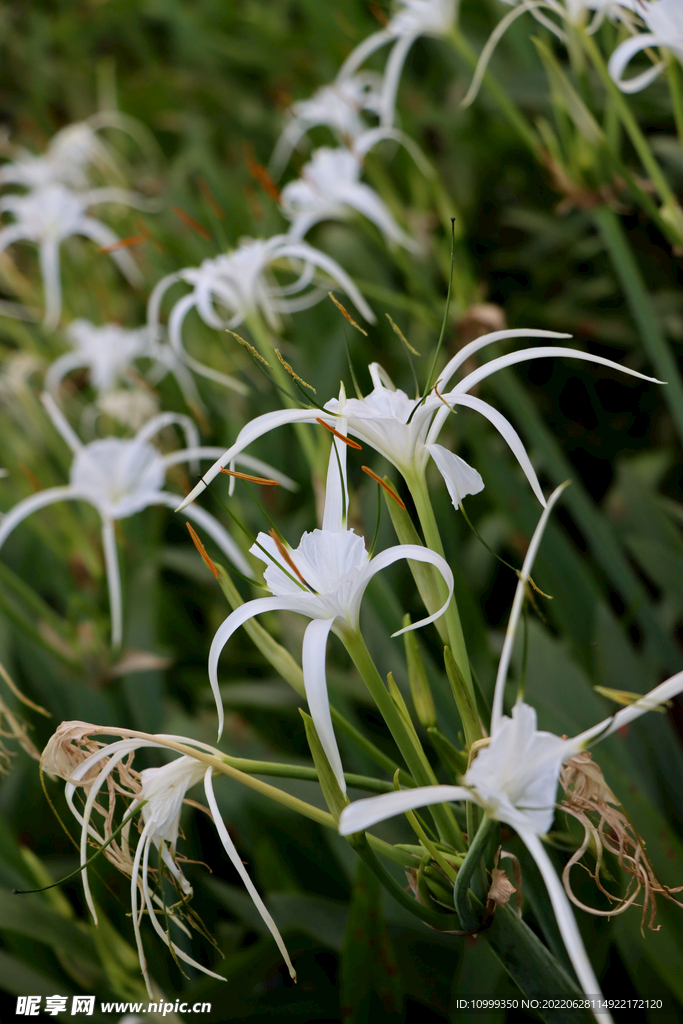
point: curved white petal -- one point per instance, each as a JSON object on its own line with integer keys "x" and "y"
{"x": 392, "y": 75}
{"x": 362, "y": 52}
{"x": 154, "y": 301}
{"x": 61, "y": 424}
{"x": 257, "y": 466}
{"x": 124, "y": 196}
{"x": 337, "y": 489}
{"x": 362, "y": 814}
{"x": 59, "y": 369}
{"x": 368, "y": 203}
{"x": 654, "y": 699}
{"x": 508, "y": 433}
{"x": 143, "y": 844}
{"x": 491, "y": 43}
{"x": 234, "y": 856}
{"x": 625, "y": 52}
{"x": 518, "y": 601}
{"x": 175, "y": 323}
{"x": 256, "y": 428}
{"x": 225, "y": 631}
{"x": 543, "y": 353}
{"x": 165, "y": 419}
{"x": 468, "y": 350}
{"x": 460, "y": 478}
{"x": 11, "y": 234}
{"x": 104, "y": 236}
{"x": 157, "y": 927}
{"x": 564, "y": 915}
{"x": 207, "y": 522}
{"x": 315, "y": 682}
{"x": 301, "y": 250}
{"x": 417, "y": 553}
{"x": 370, "y": 138}
{"x": 111, "y": 562}
{"x": 32, "y": 504}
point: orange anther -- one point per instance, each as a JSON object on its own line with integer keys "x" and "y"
{"x": 390, "y": 490}
{"x": 252, "y": 479}
{"x": 202, "y": 550}
{"x": 342, "y": 437}
{"x": 285, "y": 554}
{"x": 192, "y": 223}
{"x": 123, "y": 243}
{"x": 210, "y": 198}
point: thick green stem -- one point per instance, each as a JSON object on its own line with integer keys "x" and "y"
{"x": 405, "y": 738}
{"x": 635, "y": 292}
{"x": 471, "y": 863}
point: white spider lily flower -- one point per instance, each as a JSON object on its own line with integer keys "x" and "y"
{"x": 233, "y": 286}
{"x": 515, "y": 778}
{"x": 108, "y": 352}
{"x": 412, "y": 19}
{"x": 330, "y": 189}
{"x": 323, "y": 578}
{"x": 72, "y": 152}
{"x": 159, "y": 793}
{"x": 120, "y": 477}
{"x": 664, "y": 21}
{"x": 405, "y": 431}
{"x": 52, "y": 213}
{"x": 338, "y": 106}
{"x": 573, "y": 11}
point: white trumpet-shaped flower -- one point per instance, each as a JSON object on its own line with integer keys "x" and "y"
{"x": 338, "y": 107}
{"x": 664, "y": 21}
{"x": 406, "y": 430}
{"x": 52, "y": 213}
{"x": 323, "y": 578}
{"x": 412, "y": 19}
{"x": 159, "y": 794}
{"x": 229, "y": 288}
{"x": 120, "y": 477}
{"x": 515, "y": 778}
{"x": 330, "y": 189}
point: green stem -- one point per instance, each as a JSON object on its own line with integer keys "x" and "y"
{"x": 515, "y": 118}
{"x": 406, "y": 741}
{"x": 301, "y": 771}
{"x": 456, "y": 638}
{"x": 635, "y": 292}
{"x": 471, "y": 863}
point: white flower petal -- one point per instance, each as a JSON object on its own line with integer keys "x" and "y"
{"x": 362, "y": 814}
{"x": 315, "y": 682}
{"x": 234, "y": 856}
{"x": 32, "y": 504}
{"x": 418, "y": 554}
{"x": 460, "y": 478}
{"x": 623, "y": 55}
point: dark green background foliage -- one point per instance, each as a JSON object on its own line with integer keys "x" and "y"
{"x": 211, "y": 80}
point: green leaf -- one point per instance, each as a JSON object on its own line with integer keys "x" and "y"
{"x": 368, "y": 965}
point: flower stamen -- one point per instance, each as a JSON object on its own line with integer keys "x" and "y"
{"x": 252, "y": 479}
{"x": 202, "y": 550}
{"x": 292, "y": 373}
{"x": 346, "y": 313}
{"x": 287, "y": 557}
{"x": 387, "y": 487}
{"x": 191, "y": 223}
{"x": 342, "y": 437}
